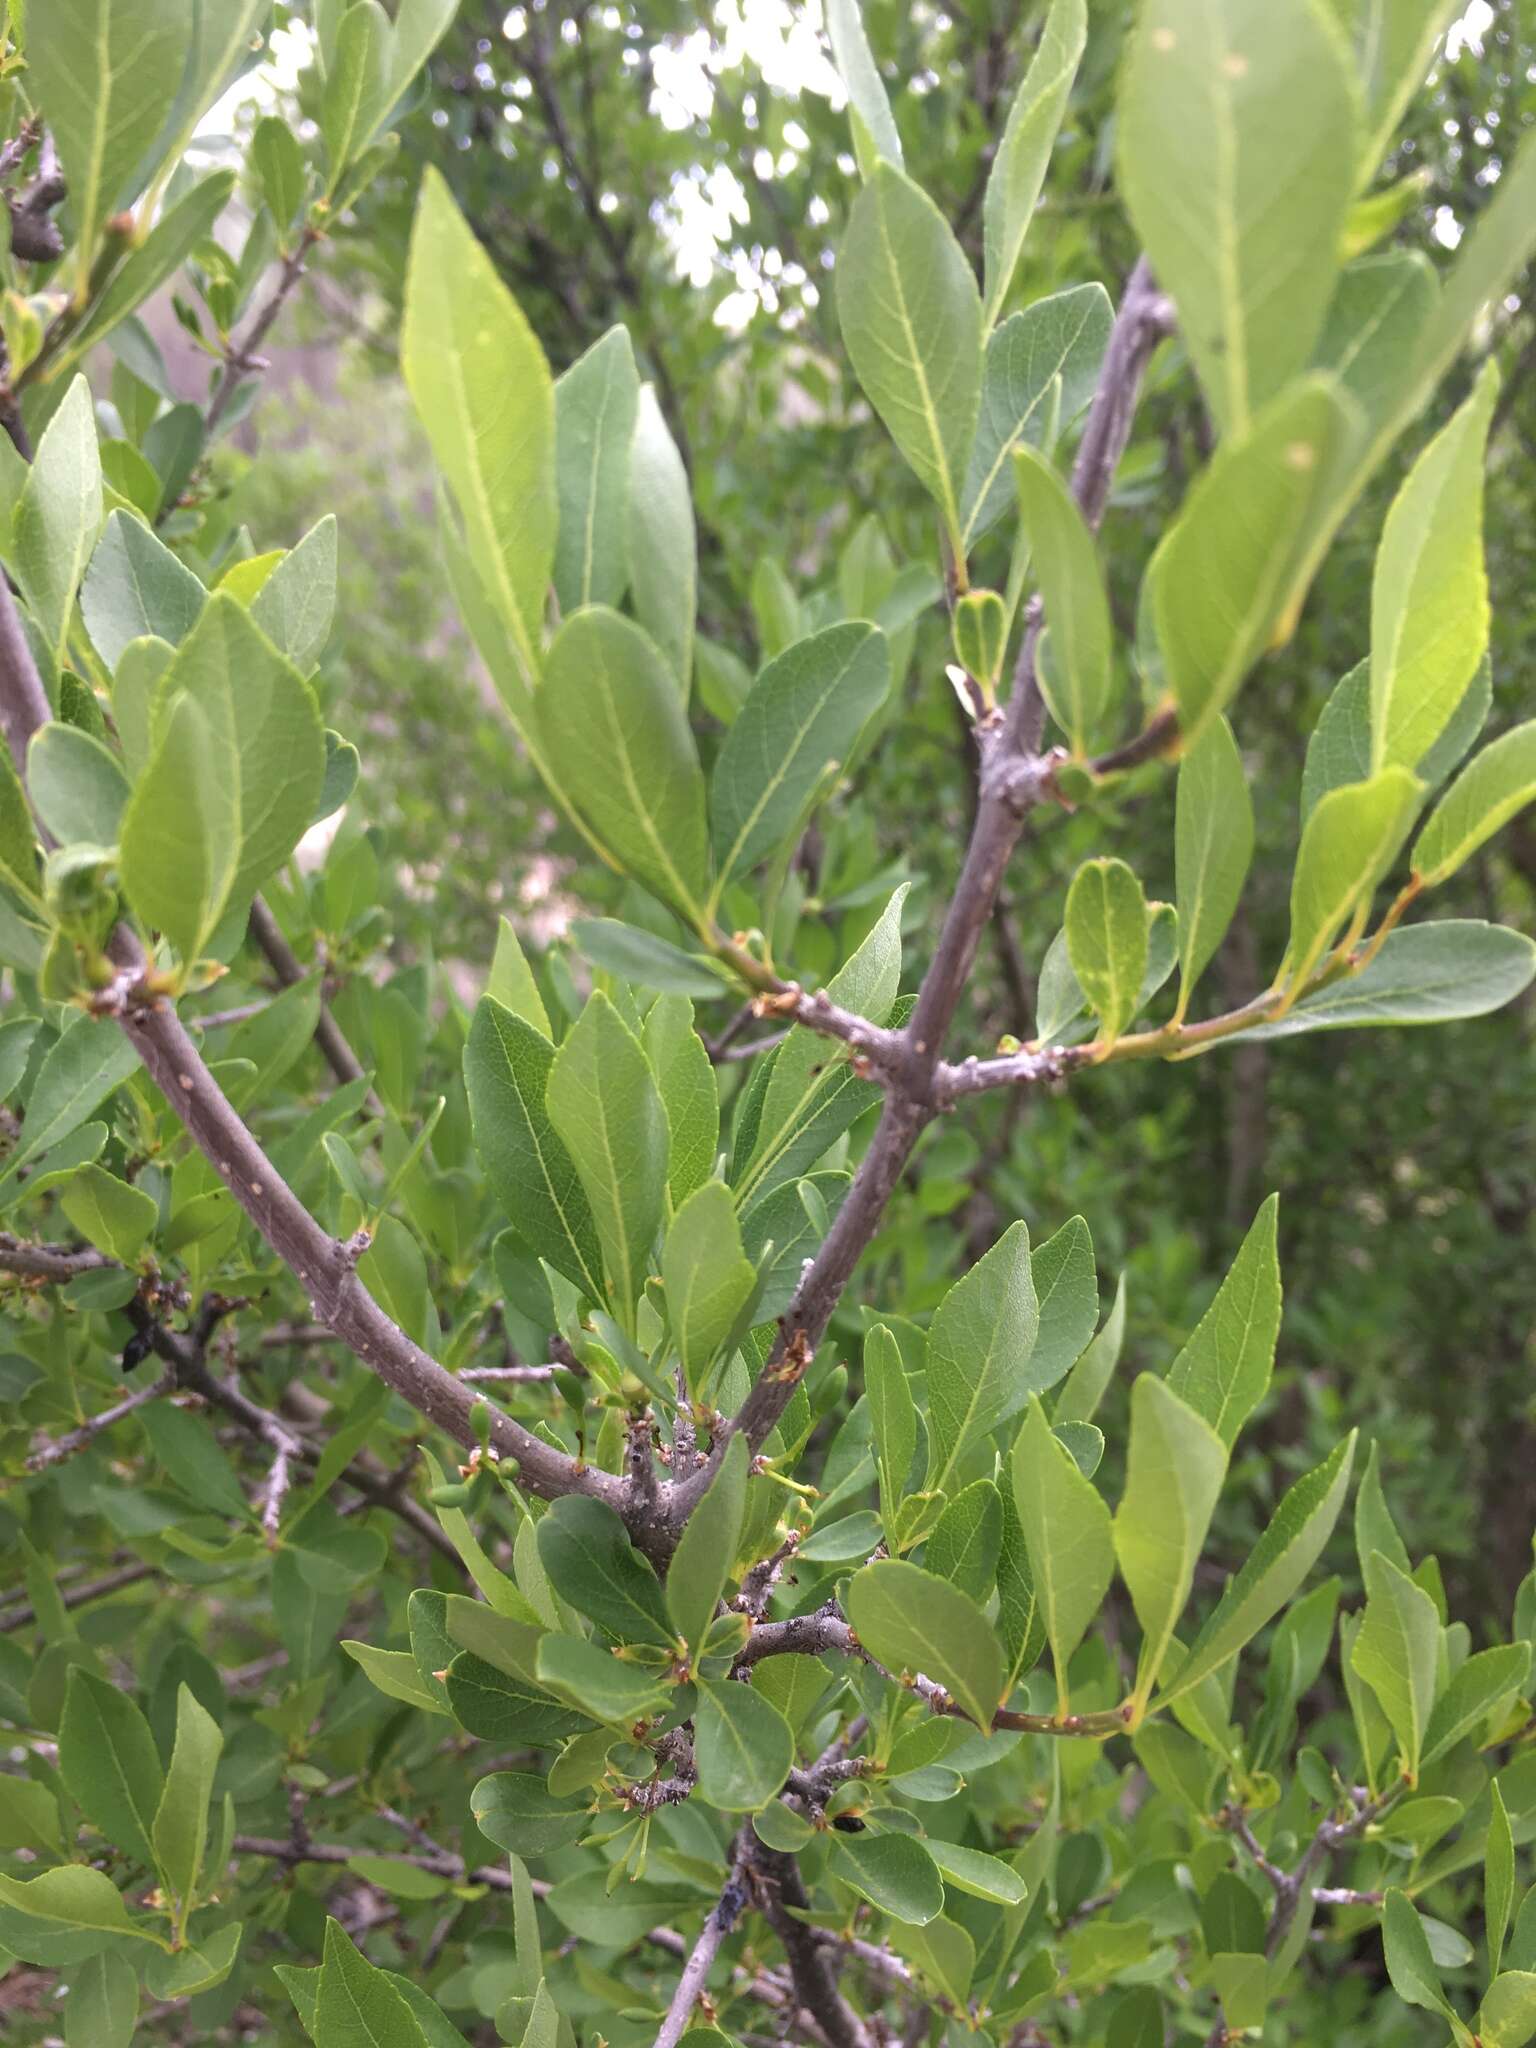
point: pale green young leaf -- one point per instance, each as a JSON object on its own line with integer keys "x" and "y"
{"x": 661, "y": 541}
{"x": 108, "y": 1761}
{"x": 893, "y": 1418}
{"x": 910, "y": 315}
{"x": 396, "y": 1675}
{"x": 596, "y": 404}
{"x": 1213, "y": 847}
{"x": 1498, "y": 1881}
{"x": 913, "y": 1621}
{"x": 1089, "y": 1379}
{"x": 77, "y": 785}
{"x": 1425, "y": 974}
{"x": 1507, "y": 2016}
{"x": 181, "y": 1818}
{"x": 295, "y": 605}
{"x": 1223, "y": 1371}
{"x": 686, "y": 1080}
{"x": 1394, "y": 41}
{"x": 1041, "y": 366}
{"x": 506, "y": 1075}
{"x": 1107, "y": 927}
{"x": 481, "y": 387}
{"x": 135, "y": 587}
{"x": 1272, "y": 1573}
{"x": 875, "y": 139}
{"x": 108, "y": 1213}
{"x": 979, "y": 1353}
{"x": 1479, "y": 1692}
{"x": 603, "y": 1103}
{"x": 1397, "y": 1654}
{"x": 62, "y": 1916}
{"x": 1374, "y": 1526}
{"x": 707, "y": 1275}
{"x": 978, "y": 1875}
{"x": 1228, "y": 582}
{"x": 802, "y": 715}
{"x": 1347, "y": 845}
{"x": 1496, "y": 785}
{"x": 1429, "y": 595}
{"x": 59, "y": 511}
{"x": 613, "y": 725}
{"x": 1068, "y": 1534}
{"x": 706, "y": 1552}
{"x": 1225, "y": 105}
{"x": 179, "y": 845}
{"x": 512, "y": 984}
{"x": 744, "y": 1747}
{"x": 277, "y": 164}
{"x": 1019, "y": 167}
{"x": 1174, "y": 1470}
{"x": 1065, "y": 561}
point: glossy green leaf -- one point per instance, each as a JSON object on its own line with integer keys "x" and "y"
{"x": 893, "y": 1417}
{"x": 1108, "y": 926}
{"x": 913, "y": 1621}
{"x": 979, "y": 1348}
{"x": 979, "y": 1875}
{"x": 1068, "y": 1535}
{"x": 686, "y": 1080}
{"x": 1076, "y": 680}
{"x": 1397, "y": 1655}
{"x": 179, "y": 845}
{"x": 396, "y": 1675}
{"x": 596, "y": 404}
{"x": 707, "y": 1276}
{"x": 702, "y": 1564}
{"x": 1213, "y": 847}
{"x": 911, "y": 322}
{"x": 743, "y": 1746}
{"x": 592, "y": 1564}
{"x": 875, "y": 139}
{"x": 1347, "y": 846}
{"x": 661, "y": 542}
{"x": 1175, "y": 1467}
{"x": 1024, "y": 152}
{"x": 1223, "y": 1372}
{"x": 896, "y": 1873}
{"x": 1225, "y": 105}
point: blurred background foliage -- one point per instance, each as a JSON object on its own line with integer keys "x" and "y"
{"x": 687, "y": 172}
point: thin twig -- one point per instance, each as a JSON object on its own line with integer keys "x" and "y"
{"x": 718, "y": 1923}
{"x": 60, "y": 1448}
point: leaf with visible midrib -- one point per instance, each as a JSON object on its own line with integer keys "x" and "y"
{"x": 707, "y": 1276}
{"x": 913, "y": 1621}
{"x": 745, "y": 1747}
{"x": 979, "y": 1350}
{"x": 1213, "y": 846}
{"x": 356, "y": 2006}
{"x": 1347, "y": 845}
{"x": 1174, "y": 1470}
{"x": 1019, "y": 167}
{"x": 1223, "y": 1371}
{"x": 108, "y": 1761}
{"x": 1499, "y": 782}
{"x": 596, "y": 404}
{"x": 1068, "y": 1534}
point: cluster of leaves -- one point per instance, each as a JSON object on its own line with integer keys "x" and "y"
{"x": 756, "y": 1633}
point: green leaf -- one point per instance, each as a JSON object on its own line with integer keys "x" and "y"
{"x": 743, "y": 1745}
{"x": 1427, "y": 974}
{"x": 1023, "y": 154}
{"x": 707, "y": 1275}
{"x": 1498, "y": 783}
{"x": 101, "y": 2008}
{"x": 107, "y": 72}
{"x": 1397, "y": 1654}
{"x": 1410, "y": 1965}
{"x": 500, "y": 1707}
{"x": 481, "y": 388}
{"x": 108, "y": 1213}
{"x": 59, "y": 507}
{"x": 1068, "y": 1535}
{"x": 893, "y": 1418}
{"x": 356, "y": 86}
{"x": 1223, "y": 1372}
{"x": 1076, "y": 683}
{"x": 356, "y": 2005}
{"x": 1040, "y": 369}
{"x": 661, "y": 541}
{"x": 1174, "y": 1470}
{"x": 512, "y": 982}
{"x": 911, "y": 321}
{"x": 612, "y": 722}
{"x": 702, "y": 1563}
{"x": 1395, "y": 45}
{"x": 181, "y": 1818}
{"x": 1507, "y": 2016}
{"x": 1429, "y": 596}
{"x": 599, "y": 1683}
{"x": 604, "y": 1105}
{"x": 875, "y": 139}
{"x": 913, "y": 1621}
{"x": 1374, "y": 1526}
{"x": 978, "y": 1875}
{"x": 596, "y": 404}
{"x": 108, "y": 1760}
{"x": 1272, "y": 1572}
{"x": 642, "y": 960}
{"x": 967, "y": 1539}
{"x": 1227, "y": 106}
{"x": 519, "y": 1812}
{"x": 896, "y": 1873}
{"x": 78, "y": 1073}
{"x": 1108, "y": 926}
{"x": 65, "y": 1916}
{"x": 295, "y": 605}
{"x": 156, "y": 259}
{"x": 979, "y": 1348}
{"x": 136, "y": 587}
{"x": 1213, "y": 848}
{"x": 76, "y": 784}
{"x": 1378, "y": 316}
{"x": 1079, "y": 1399}
{"x": 1479, "y": 1691}
{"x": 802, "y": 716}
{"x": 506, "y": 1072}
{"x": 396, "y": 1675}
{"x": 1228, "y": 581}
{"x": 277, "y": 162}
{"x": 686, "y": 1078}
{"x": 1499, "y": 1882}
{"x": 180, "y": 840}
{"x": 592, "y": 1564}
{"x": 1347, "y": 846}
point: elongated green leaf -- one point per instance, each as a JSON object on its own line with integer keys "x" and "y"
{"x": 1223, "y": 1372}
{"x": 1228, "y": 582}
{"x": 642, "y": 960}
{"x": 1089, "y": 1379}
{"x": 802, "y": 716}
{"x": 707, "y": 1276}
{"x": 482, "y": 390}
{"x": 893, "y": 1417}
{"x": 967, "y": 1540}
{"x": 356, "y": 86}
{"x": 979, "y": 1350}
{"x": 1174, "y": 1472}
{"x": 592, "y": 1564}
{"x": 613, "y": 724}
{"x": 108, "y": 1213}
{"x": 915, "y": 1622}
{"x": 1041, "y": 367}
{"x": 1107, "y": 927}
{"x": 1379, "y": 315}
{"x": 686, "y": 1079}
{"x": 506, "y": 1074}
{"x": 1068, "y": 1535}
{"x": 136, "y": 586}
{"x": 1066, "y": 1283}
{"x": 1394, "y": 44}
{"x": 1427, "y": 974}
{"x": 603, "y": 1103}
{"x": 181, "y": 1818}
{"x": 875, "y": 139}
{"x": 517, "y": 1811}
{"x": 744, "y": 1746}
{"x": 599, "y": 1683}
{"x": 180, "y": 836}
{"x": 1410, "y": 1964}
{"x": 512, "y": 982}
{"x": 1499, "y": 1883}
{"x": 1225, "y": 105}
{"x": 1019, "y": 167}
{"x": 158, "y": 257}
{"x": 65, "y": 1916}
{"x": 57, "y": 514}
{"x": 1272, "y": 1572}
{"x": 1213, "y": 846}
{"x": 979, "y": 1875}
{"x": 1479, "y": 1691}
{"x": 295, "y": 605}
{"x": 102, "y": 2005}
{"x": 1347, "y": 845}
{"x": 78, "y": 1073}
{"x": 911, "y": 321}
{"x": 1076, "y": 680}
{"x": 660, "y": 539}
{"x": 1429, "y": 597}
{"x": 356, "y": 2005}
{"x": 1397, "y": 1654}
{"x": 108, "y": 1760}
{"x": 1498, "y": 783}
{"x": 702, "y": 1562}
{"x": 596, "y": 404}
